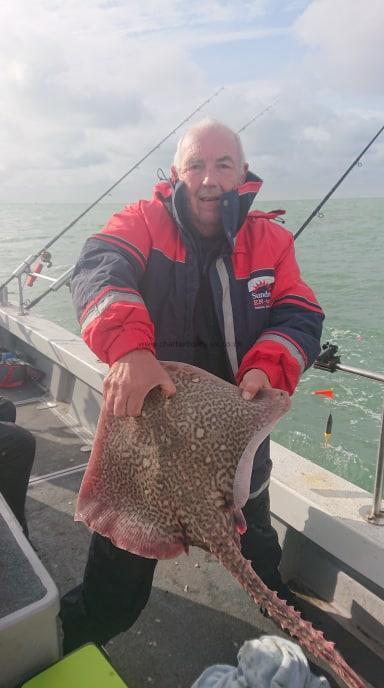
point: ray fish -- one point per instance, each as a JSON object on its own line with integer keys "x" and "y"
{"x": 178, "y": 476}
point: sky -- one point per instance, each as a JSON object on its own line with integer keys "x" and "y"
{"x": 88, "y": 88}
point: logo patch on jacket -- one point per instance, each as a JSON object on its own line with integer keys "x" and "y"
{"x": 260, "y": 289}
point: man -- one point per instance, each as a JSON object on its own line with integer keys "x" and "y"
{"x": 190, "y": 276}
{"x": 17, "y": 453}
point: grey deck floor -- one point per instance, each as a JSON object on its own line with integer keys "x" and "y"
{"x": 197, "y": 614}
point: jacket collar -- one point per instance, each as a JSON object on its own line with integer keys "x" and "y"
{"x": 235, "y": 204}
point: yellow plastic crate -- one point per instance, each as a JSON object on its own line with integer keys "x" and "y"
{"x": 86, "y": 667}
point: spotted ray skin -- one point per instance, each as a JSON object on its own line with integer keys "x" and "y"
{"x": 163, "y": 482}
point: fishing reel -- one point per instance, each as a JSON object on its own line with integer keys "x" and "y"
{"x": 328, "y": 360}
{"x": 46, "y": 257}
{"x": 35, "y": 270}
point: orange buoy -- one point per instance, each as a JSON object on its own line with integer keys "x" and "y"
{"x": 324, "y": 392}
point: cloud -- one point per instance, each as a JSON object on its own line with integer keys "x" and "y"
{"x": 88, "y": 88}
{"x": 303, "y": 146}
{"x": 347, "y": 39}
{"x": 73, "y": 82}
{"x": 316, "y": 134}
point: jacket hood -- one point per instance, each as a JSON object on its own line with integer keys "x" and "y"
{"x": 235, "y": 204}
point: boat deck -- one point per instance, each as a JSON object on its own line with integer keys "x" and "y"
{"x": 197, "y": 614}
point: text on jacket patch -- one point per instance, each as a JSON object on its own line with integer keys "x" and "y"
{"x": 260, "y": 289}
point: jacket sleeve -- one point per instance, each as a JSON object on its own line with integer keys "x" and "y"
{"x": 291, "y": 343}
{"x": 105, "y": 287}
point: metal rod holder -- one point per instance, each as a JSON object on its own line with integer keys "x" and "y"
{"x": 38, "y": 275}
{"x": 379, "y": 377}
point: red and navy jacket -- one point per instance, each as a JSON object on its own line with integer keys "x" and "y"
{"x": 137, "y": 282}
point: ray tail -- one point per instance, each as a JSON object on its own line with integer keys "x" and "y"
{"x": 282, "y": 614}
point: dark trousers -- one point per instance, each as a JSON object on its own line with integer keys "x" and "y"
{"x": 117, "y": 584}
{"x": 17, "y": 452}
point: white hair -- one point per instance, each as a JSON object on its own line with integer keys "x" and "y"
{"x": 208, "y": 123}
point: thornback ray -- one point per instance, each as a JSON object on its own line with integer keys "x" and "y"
{"x": 178, "y": 476}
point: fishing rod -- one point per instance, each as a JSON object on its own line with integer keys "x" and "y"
{"x": 64, "y": 279}
{"x": 34, "y": 257}
{"x": 259, "y": 114}
{"x": 332, "y": 191}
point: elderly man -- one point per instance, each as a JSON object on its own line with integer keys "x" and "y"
{"x": 189, "y": 276}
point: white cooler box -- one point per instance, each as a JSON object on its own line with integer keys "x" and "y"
{"x": 29, "y": 605}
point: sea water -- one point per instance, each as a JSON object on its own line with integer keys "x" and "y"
{"x": 341, "y": 256}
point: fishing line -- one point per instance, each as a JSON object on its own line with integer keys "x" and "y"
{"x": 259, "y": 114}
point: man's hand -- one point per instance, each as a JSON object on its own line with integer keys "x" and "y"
{"x": 253, "y": 381}
{"x": 130, "y": 379}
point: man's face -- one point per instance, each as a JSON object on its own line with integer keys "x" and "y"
{"x": 209, "y": 166}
